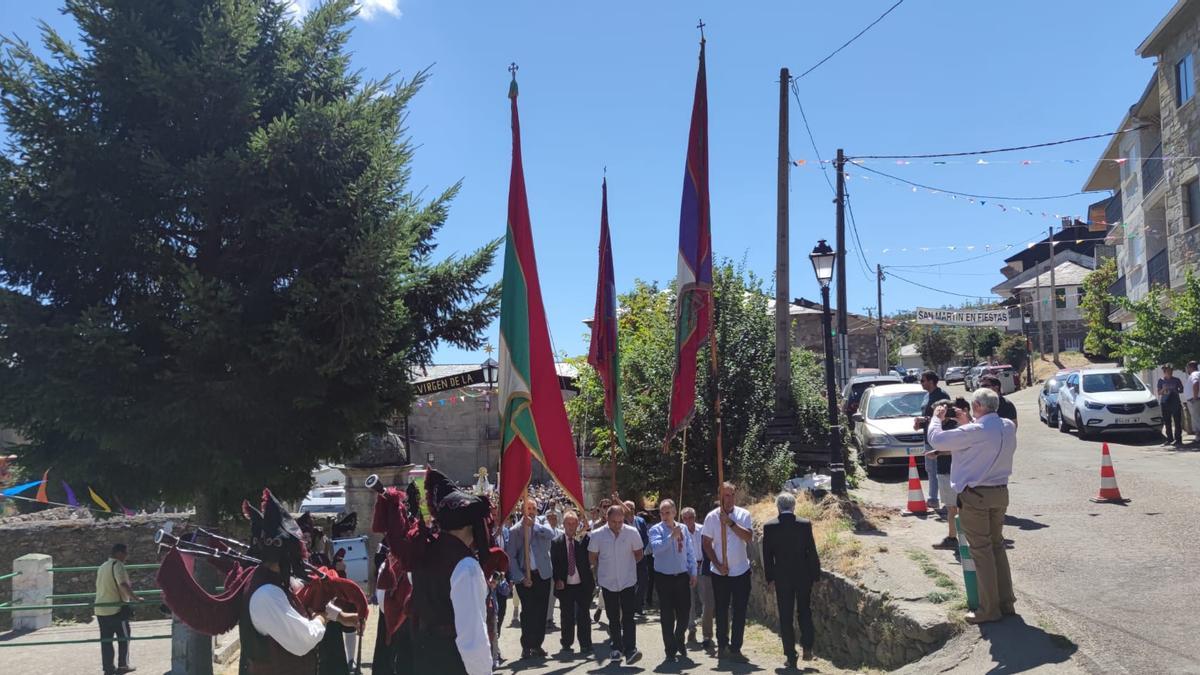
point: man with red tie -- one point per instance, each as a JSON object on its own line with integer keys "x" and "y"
{"x": 573, "y": 584}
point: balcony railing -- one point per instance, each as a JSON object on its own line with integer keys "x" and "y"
{"x": 1159, "y": 270}
{"x": 1117, "y": 290}
{"x": 1152, "y": 169}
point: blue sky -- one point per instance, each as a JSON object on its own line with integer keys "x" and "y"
{"x": 610, "y": 84}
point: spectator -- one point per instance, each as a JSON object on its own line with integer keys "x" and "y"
{"x": 791, "y": 565}
{"x": 615, "y": 551}
{"x": 1006, "y": 411}
{"x": 702, "y": 595}
{"x": 983, "y": 456}
{"x": 113, "y": 591}
{"x": 933, "y": 394}
{"x": 529, "y": 564}
{"x": 945, "y": 484}
{"x": 675, "y": 576}
{"x": 726, "y": 536}
{"x": 1191, "y": 401}
{"x": 644, "y": 563}
{"x": 573, "y": 583}
{"x": 552, "y": 521}
{"x": 1170, "y": 389}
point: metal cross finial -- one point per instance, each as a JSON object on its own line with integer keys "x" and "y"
{"x": 701, "y": 25}
{"x": 513, "y": 68}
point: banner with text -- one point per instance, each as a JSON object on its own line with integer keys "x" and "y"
{"x": 971, "y": 318}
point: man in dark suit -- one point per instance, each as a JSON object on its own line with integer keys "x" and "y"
{"x": 573, "y": 584}
{"x": 792, "y": 567}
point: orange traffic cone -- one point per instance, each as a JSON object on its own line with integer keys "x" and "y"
{"x": 916, "y": 498}
{"x": 1109, "y": 493}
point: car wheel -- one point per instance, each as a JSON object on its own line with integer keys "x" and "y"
{"x": 1062, "y": 422}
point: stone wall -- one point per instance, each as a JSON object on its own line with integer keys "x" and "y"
{"x": 856, "y": 627}
{"x": 82, "y": 542}
{"x": 1181, "y": 139}
{"x": 807, "y": 332}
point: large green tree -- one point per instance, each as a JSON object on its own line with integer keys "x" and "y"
{"x": 1102, "y": 336}
{"x": 745, "y": 346}
{"x": 212, "y": 272}
{"x": 1165, "y": 329}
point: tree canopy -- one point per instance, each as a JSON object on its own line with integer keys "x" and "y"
{"x": 745, "y": 346}
{"x": 212, "y": 271}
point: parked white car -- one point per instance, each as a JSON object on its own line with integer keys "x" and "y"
{"x": 884, "y": 430}
{"x": 1106, "y": 399}
{"x": 325, "y": 500}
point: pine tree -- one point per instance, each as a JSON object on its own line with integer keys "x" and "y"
{"x": 212, "y": 273}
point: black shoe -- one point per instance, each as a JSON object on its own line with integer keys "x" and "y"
{"x": 808, "y": 654}
{"x": 596, "y": 617}
{"x": 708, "y": 645}
{"x": 538, "y": 652}
{"x": 791, "y": 662}
{"x": 121, "y": 670}
{"x": 633, "y": 657}
{"x": 736, "y": 656}
{"x": 526, "y": 653}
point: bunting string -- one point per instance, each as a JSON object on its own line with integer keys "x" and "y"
{"x": 858, "y": 161}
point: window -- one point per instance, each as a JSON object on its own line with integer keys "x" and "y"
{"x": 1184, "y": 80}
{"x": 1191, "y": 194}
{"x": 1060, "y": 298}
{"x": 1079, "y": 296}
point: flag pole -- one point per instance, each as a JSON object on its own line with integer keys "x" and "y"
{"x": 612, "y": 437}
{"x": 682, "y": 464}
{"x": 712, "y": 349}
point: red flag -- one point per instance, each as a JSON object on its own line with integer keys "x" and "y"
{"x": 533, "y": 419}
{"x": 693, "y": 303}
{"x": 604, "y": 353}
{"x": 41, "y": 493}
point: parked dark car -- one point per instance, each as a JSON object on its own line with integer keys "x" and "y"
{"x": 854, "y": 389}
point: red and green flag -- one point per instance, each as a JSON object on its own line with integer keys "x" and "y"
{"x": 604, "y": 354}
{"x": 693, "y": 301}
{"x": 533, "y": 419}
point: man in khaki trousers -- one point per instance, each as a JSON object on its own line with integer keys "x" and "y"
{"x": 982, "y": 450}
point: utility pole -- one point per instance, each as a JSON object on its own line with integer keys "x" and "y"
{"x": 783, "y": 315}
{"x": 1053, "y": 300}
{"x": 879, "y": 341}
{"x": 1037, "y": 301}
{"x": 840, "y": 268}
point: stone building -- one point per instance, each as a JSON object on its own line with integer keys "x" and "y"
{"x": 807, "y": 332}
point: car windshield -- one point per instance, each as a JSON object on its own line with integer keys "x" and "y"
{"x": 887, "y": 406}
{"x": 1053, "y": 384}
{"x": 1102, "y": 382}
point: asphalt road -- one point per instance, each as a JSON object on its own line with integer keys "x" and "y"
{"x": 1121, "y": 581}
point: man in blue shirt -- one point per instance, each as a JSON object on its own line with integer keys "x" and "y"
{"x": 528, "y": 552}
{"x": 675, "y": 575}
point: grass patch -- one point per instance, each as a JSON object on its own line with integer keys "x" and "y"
{"x": 931, "y": 570}
{"x": 938, "y": 597}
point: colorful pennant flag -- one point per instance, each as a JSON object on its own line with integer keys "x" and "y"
{"x": 18, "y": 489}
{"x": 99, "y": 502}
{"x": 42, "y": 497}
{"x": 127, "y": 512}
{"x": 533, "y": 421}
{"x": 70, "y": 495}
{"x": 604, "y": 352}
{"x": 693, "y": 304}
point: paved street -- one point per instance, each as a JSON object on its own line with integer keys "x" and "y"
{"x": 1121, "y": 582}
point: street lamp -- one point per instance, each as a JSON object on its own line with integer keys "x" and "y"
{"x": 1027, "y": 318}
{"x": 491, "y": 372}
{"x": 823, "y": 259}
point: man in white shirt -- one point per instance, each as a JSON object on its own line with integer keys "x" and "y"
{"x": 450, "y": 593}
{"x": 983, "y": 452}
{"x": 1191, "y": 401}
{"x": 726, "y": 538}
{"x": 615, "y": 551}
{"x": 702, "y": 595}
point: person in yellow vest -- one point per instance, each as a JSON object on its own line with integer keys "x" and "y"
{"x": 113, "y": 588}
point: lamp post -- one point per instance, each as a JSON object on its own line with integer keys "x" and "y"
{"x": 1026, "y": 318}
{"x": 823, "y": 259}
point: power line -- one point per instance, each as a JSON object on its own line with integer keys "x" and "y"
{"x": 811, "y": 140}
{"x": 968, "y": 194}
{"x": 862, "y": 257}
{"x": 1007, "y": 247}
{"x": 1009, "y": 149}
{"x": 860, "y": 33}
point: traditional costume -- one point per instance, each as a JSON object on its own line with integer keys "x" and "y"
{"x": 444, "y": 608}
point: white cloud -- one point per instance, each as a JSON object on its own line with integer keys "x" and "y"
{"x": 367, "y": 9}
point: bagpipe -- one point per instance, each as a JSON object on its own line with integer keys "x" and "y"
{"x": 216, "y": 614}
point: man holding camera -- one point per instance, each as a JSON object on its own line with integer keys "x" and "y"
{"x": 933, "y": 394}
{"x": 983, "y": 452}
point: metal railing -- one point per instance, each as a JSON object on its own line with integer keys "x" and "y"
{"x": 1152, "y": 169}
{"x": 1159, "y": 269}
{"x": 1113, "y": 210}
{"x": 1117, "y": 289}
{"x": 10, "y": 575}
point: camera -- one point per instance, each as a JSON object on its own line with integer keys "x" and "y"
{"x": 951, "y": 420}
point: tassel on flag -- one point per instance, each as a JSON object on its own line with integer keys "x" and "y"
{"x": 99, "y": 502}
{"x": 71, "y": 500}
{"x": 42, "y": 497}
{"x": 693, "y": 300}
{"x": 533, "y": 419}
